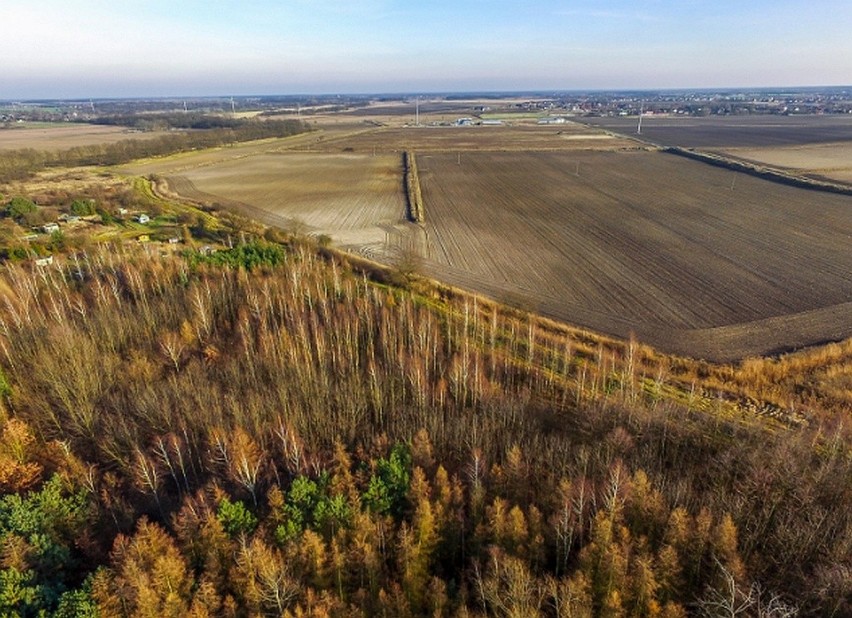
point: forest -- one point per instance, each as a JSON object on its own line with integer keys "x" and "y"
{"x": 280, "y": 430}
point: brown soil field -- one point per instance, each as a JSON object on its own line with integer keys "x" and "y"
{"x": 617, "y": 240}
{"x": 831, "y": 161}
{"x": 181, "y": 162}
{"x": 733, "y": 131}
{"x": 358, "y": 200}
{"x": 515, "y": 138}
{"x": 644, "y": 243}
{"x": 62, "y": 136}
{"x": 331, "y": 136}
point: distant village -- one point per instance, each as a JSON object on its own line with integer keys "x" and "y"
{"x": 830, "y": 100}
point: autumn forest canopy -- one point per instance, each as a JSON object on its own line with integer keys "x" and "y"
{"x": 281, "y": 431}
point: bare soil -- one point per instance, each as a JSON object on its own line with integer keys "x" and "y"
{"x": 514, "y": 138}
{"x": 356, "y": 199}
{"x": 733, "y": 131}
{"x": 645, "y": 243}
{"x": 602, "y": 233}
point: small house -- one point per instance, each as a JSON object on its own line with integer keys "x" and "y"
{"x": 50, "y": 228}
{"x": 44, "y": 261}
{"x": 174, "y": 240}
{"x": 142, "y": 218}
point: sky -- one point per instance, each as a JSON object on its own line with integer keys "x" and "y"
{"x": 163, "y": 48}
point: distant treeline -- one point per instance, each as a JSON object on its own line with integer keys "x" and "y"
{"x": 22, "y": 163}
{"x": 176, "y": 120}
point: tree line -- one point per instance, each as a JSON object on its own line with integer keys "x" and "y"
{"x": 175, "y": 120}
{"x": 22, "y": 163}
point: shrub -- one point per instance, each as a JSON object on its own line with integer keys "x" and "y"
{"x": 83, "y": 208}
{"x": 18, "y": 207}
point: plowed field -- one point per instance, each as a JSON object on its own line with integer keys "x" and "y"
{"x": 480, "y": 138}
{"x": 645, "y": 242}
{"x": 53, "y": 137}
{"x": 734, "y": 131}
{"x": 692, "y": 258}
{"x": 356, "y": 199}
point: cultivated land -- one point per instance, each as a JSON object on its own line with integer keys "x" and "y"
{"x": 603, "y": 233}
{"x": 356, "y": 199}
{"x": 515, "y": 138}
{"x": 645, "y": 242}
{"x": 814, "y": 146}
{"x": 54, "y": 137}
{"x": 733, "y": 131}
{"x": 832, "y": 161}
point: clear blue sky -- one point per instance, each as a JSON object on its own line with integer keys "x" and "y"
{"x": 97, "y": 48}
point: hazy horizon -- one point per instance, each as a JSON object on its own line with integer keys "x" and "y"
{"x": 94, "y": 48}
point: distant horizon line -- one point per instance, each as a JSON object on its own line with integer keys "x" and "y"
{"x": 408, "y": 93}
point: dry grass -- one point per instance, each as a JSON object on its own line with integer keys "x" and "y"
{"x": 832, "y": 161}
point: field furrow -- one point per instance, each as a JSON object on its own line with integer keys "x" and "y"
{"x": 692, "y": 258}
{"x": 669, "y": 245}
{"x": 355, "y": 199}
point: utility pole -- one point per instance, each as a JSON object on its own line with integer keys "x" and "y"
{"x": 639, "y": 126}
